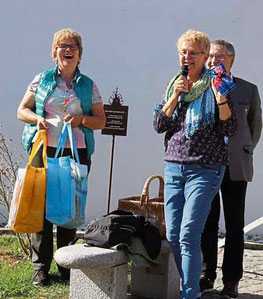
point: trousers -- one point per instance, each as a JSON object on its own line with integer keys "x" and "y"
{"x": 42, "y": 246}
{"x": 189, "y": 191}
{"x": 42, "y": 242}
{"x": 233, "y": 198}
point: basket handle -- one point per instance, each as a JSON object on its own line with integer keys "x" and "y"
{"x": 145, "y": 192}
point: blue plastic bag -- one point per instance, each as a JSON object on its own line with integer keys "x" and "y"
{"x": 67, "y": 185}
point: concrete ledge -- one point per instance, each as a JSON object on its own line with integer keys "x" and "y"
{"x": 6, "y": 231}
{"x": 253, "y": 245}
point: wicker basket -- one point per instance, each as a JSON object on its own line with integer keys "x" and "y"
{"x": 151, "y": 208}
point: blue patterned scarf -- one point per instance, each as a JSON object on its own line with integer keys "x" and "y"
{"x": 201, "y": 110}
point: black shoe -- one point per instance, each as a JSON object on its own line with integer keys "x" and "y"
{"x": 206, "y": 285}
{"x": 230, "y": 289}
{"x": 65, "y": 276}
{"x": 41, "y": 278}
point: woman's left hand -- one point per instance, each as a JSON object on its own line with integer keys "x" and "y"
{"x": 224, "y": 110}
{"x": 218, "y": 96}
{"x": 216, "y": 93}
{"x": 76, "y": 120}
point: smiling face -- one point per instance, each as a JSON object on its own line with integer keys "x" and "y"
{"x": 191, "y": 53}
{"x": 67, "y": 54}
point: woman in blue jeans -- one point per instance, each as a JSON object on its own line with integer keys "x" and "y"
{"x": 196, "y": 127}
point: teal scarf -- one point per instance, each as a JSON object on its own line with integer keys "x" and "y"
{"x": 201, "y": 110}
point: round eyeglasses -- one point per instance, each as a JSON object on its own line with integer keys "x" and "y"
{"x": 218, "y": 57}
{"x": 192, "y": 54}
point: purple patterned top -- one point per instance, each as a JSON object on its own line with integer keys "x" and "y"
{"x": 207, "y": 147}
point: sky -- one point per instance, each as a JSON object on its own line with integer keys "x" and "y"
{"x": 130, "y": 44}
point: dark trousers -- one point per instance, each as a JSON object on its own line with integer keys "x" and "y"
{"x": 233, "y": 198}
{"x": 42, "y": 246}
{"x": 42, "y": 242}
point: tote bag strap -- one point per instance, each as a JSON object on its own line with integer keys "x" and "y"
{"x": 41, "y": 139}
{"x": 73, "y": 143}
{"x": 62, "y": 141}
{"x": 67, "y": 132}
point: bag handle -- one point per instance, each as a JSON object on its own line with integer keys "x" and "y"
{"x": 67, "y": 133}
{"x": 41, "y": 139}
{"x": 61, "y": 141}
{"x": 145, "y": 192}
{"x": 73, "y": 143}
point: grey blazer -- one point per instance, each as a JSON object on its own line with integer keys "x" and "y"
{"x": 241, "y": 146}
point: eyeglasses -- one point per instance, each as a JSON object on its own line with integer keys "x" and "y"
{"x": 218, "y": 57}
{"x": 72, "y": 47}
{"x": 190, "y": 54}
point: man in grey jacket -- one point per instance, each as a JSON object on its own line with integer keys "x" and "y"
{"x": 246, "y": 102}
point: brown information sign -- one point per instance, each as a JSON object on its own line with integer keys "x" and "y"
{"x": 116, "y": 120}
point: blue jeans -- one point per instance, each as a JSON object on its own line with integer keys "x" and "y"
{"x": 189, "y": 191}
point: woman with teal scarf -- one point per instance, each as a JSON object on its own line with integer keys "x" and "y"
{"x": 196, "y": 128}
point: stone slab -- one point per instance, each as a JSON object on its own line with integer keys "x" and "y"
{"x": 92, "y": 283}
{"x": 81, "y": 256}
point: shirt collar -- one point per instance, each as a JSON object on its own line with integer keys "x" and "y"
{"x": 76, "y": 78}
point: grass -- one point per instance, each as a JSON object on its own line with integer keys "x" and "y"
{"x": 16, "y": 274}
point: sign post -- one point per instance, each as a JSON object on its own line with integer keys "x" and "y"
{"x": 116, "y": 125}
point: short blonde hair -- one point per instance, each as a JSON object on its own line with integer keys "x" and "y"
{"x": 66, "y": 33}
{"x": 197, "y": 37}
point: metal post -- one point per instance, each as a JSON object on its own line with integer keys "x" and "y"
{"x": 116, "y": 125}
{"x": 111, "y": 167}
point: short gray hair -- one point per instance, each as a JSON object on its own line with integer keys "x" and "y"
{"x": 227, "y": 45}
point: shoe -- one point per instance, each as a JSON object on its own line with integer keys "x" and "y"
{"x": 41, "y": 278}
{"x": 65, "y": 276}
{"x": 230, "y": 289}
{"x": 206, "y": 285}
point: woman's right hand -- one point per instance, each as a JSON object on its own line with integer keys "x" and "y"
{"x": 41, "y": 123}
{"x": 181, "y": 85}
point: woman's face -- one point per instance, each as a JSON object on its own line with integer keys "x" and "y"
{"x": 67, "y": 54}
{"x": 190, "y": 53}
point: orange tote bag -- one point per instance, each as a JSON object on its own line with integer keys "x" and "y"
{"x": 28, "y": 203}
